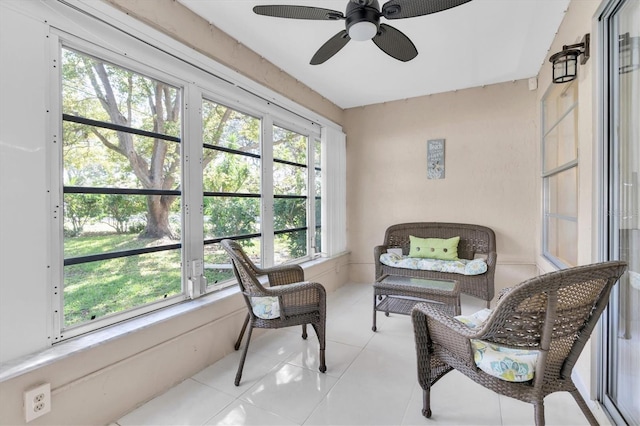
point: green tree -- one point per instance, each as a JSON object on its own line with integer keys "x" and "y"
{"x": 101, "y": 91}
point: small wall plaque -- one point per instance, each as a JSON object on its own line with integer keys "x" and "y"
{"x": 435, "y": 159}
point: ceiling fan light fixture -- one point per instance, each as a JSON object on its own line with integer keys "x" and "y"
{"x": 362, "y": 31}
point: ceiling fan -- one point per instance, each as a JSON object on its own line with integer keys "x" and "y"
{"x": 362, "y": 21}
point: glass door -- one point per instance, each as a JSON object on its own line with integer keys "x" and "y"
{"x": 621, "y": 360}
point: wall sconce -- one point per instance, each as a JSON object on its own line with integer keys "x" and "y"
{"x": 629, "y": 53}
{"x": 565, "y": 62}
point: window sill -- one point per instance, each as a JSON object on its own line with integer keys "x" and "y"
{"x": 71, "y": 347}
{"x": 60, "y": 351}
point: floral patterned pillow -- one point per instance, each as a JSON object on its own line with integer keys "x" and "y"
{"x": 266, "y": 307}
{"x": 512, "y": 365}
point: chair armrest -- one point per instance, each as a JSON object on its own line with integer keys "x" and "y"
{"x": 435, "y": 326}
{"x": 299, "y": 298}
{"x": 285, "y": 274}
{"x": 492, "y": 259}
{"x": 377, "y": 251}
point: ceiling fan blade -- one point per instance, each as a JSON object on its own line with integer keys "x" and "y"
{"x": 330, "y": 48}
{"x": 398, "y": 9}
{"x": 395, "y": 44}
{"x": 299, "y": 12}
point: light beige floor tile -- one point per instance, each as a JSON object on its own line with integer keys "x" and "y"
{"x": 338, "y": 357}
{"x": 188, "y": 403}
{"x": 243, "y": 413}
{"x": 373, "y": 391}
{"x": 279, "y": 343}
{"x": 222, "y": 374}
{"x": 560, "y": 410}
{"x": 290, "y": 391}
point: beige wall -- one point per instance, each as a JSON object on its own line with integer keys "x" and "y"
{"x": 490, "y": 171}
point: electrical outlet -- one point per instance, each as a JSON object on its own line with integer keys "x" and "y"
{"x": 37, "y": 401}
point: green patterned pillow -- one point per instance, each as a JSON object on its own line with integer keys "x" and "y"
{"x": 434, "y": 248}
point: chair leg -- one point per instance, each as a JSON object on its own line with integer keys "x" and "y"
{"x": 322, "y": 341}
{"x": 584, "y": 407}
{"x": 373, "y": 327}
{"x": 243, "y": 357}
{"x": 426, "y": 402}
{"x": 538, "y": 409}
{"x": 304, "y": 331}
{"x": 244, "y": 327}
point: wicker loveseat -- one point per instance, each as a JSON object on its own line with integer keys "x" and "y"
{"x": 475, "y": 241}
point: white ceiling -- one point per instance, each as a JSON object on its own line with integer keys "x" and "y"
{"x": 478, "y": 43}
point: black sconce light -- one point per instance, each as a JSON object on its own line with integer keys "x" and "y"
{"x": 565, "y": 63}
{"x": 629, "y": 53}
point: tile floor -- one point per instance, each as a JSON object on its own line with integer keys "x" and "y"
{"x": 370, "y": 380}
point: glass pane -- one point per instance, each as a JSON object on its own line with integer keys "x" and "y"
{"x": 101, "y": 91}
{"x": 225, "y": 127}
{"x": 233, "y": 173}
{"x": 562, "y": 195}
{"x": 217, "y": 265}
{"x": 318, "y": 234}
{"x": 289, "y": 146}
{"x": 318, "y": 153}
{"x": 102, "y": 223}
{"x": 97, "y": 289}
{"x": 92, "y": 159}
{"x": 289, "y": 180}
{"x": 561, "y": 242}
{"x": 289, "y": 213}
{"x": 624, "y": 369}
{"x": 561, "y": 144}
{"x": 289, "y": 246}
{"x": 231, "y": 216}
{"x": 318, "y": 199}
{"x": 560, "y": 99}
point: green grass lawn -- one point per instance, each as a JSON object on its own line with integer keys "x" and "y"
{"x": 96, "y": 289}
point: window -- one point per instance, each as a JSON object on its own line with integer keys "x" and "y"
{"x": 231, "y": 170}
{"x": 150, "y": 187}
{"x": 560, "y": 174}
{"x": 290, "y": 204}
{"x": 122, "y": 189}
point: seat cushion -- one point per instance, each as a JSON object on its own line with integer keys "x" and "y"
{"x": 460, "y": 266}
{"x": 266, "y": 307}
{"x": 475, "y": 320}
{"x": 512, "y": 365}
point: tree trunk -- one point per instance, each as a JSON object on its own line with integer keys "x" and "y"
{"x": 158, "y": 208}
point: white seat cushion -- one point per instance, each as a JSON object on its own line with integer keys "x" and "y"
{"x": 512, "y": 365}
{"x": 460, "y": 266}
{"x": 266, "y": 307}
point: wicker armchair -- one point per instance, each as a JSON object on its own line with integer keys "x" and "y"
{"x": 300, "y": 302}
{"x": 554, "y": 314}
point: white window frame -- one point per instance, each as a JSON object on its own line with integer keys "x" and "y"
{"x": 550, "y": 173}
{"x": 132, "y": 46}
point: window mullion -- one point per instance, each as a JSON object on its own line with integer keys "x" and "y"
{"x": 266, "y": 223}
{"x": 193, "y": 274}
{"x": 311, "y": 195}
